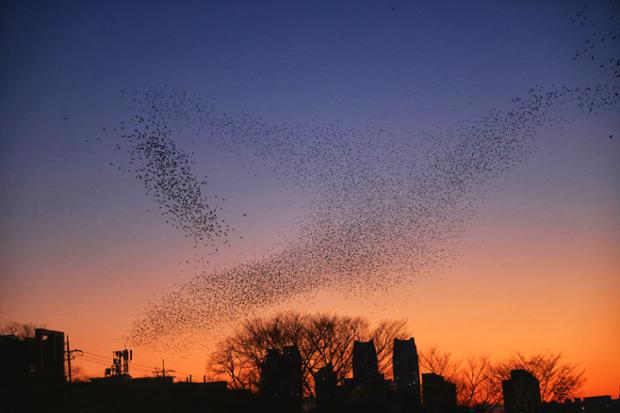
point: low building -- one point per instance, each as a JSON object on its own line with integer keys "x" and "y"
{"x": 521, "y": 393}
{"x": 438, "y": 394}
{"x": 37, "y": 360}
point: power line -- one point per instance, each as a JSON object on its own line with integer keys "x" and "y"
{"x": 134, "y": 364}
{"x": 94, "y": 361}
{"x": 103, "y": 363}
{"x": 105, "y": 360}
{"x": 96, "y": 355}
{"x": 152, "y": 358}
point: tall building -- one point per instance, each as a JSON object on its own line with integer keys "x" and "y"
{"x": 406, "y": 369}
{"x": 438, "y": 394}
{"x": 292, "y": 372}
{"x": 521, "y": 393}
{"x": 281, "y": 375}
{"x": 51, "y": 355}
{"x": 367, "y": 390}
{"x": 365, "y": 364}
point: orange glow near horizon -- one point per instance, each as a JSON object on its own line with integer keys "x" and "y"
{"x": 537, "y": 270}
{"x": 504, "y": 294}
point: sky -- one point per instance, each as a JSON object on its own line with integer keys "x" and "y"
{"x": 535, "y": 268}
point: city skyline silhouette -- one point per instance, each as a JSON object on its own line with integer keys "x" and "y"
{"x": 294, "y": 363}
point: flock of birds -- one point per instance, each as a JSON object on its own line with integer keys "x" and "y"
{"x": 167, "y": 171}
{"x": 603, "y": 34}
{"x": 381, "y": 206}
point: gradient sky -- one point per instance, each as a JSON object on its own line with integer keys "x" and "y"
{"x": 537, "y": 269}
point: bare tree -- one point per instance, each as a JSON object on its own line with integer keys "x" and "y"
{"x": 320, "y": 338}
{"x": 478, "y": 385}
{"x": 559, "y": 380}
{"x": 479, "y": 380}
{"x": 434, "y": 360}
{"x": 383, "y": 336}
{"x": 21, "y": 330}
{"x": 230, "y": 361}
{"x": 78, "y": 374}
{"x": 325, "y": 338}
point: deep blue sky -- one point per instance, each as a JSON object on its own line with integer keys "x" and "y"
{"x": 360, "y": 60}
{"x": 399, "y": 64}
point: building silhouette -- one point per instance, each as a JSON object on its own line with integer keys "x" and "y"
{"x": 365, "y": 363}
{"x": 39, "y": 359}
{"x": 281, "y": 375}
{"x": 325, "y": 387}
{"x": 438, "y": 394}
{"x": 292, "y": 363}
{"x": 594, "y": 404}
{"x": 521, "y": 393}
{"x": 33, "y": 379}
{"x": 406, "y": 372}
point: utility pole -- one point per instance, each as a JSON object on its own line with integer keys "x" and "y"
{"x": 69, "y": 357}
{"x": 162, "y": 372}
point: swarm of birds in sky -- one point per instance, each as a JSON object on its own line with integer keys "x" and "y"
{"x": 167, "y": 170}
{"x": 603, "y": 34}
{"x": 381, "y": 206}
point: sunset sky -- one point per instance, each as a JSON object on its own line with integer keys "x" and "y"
{"x": 537, "y": 267}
